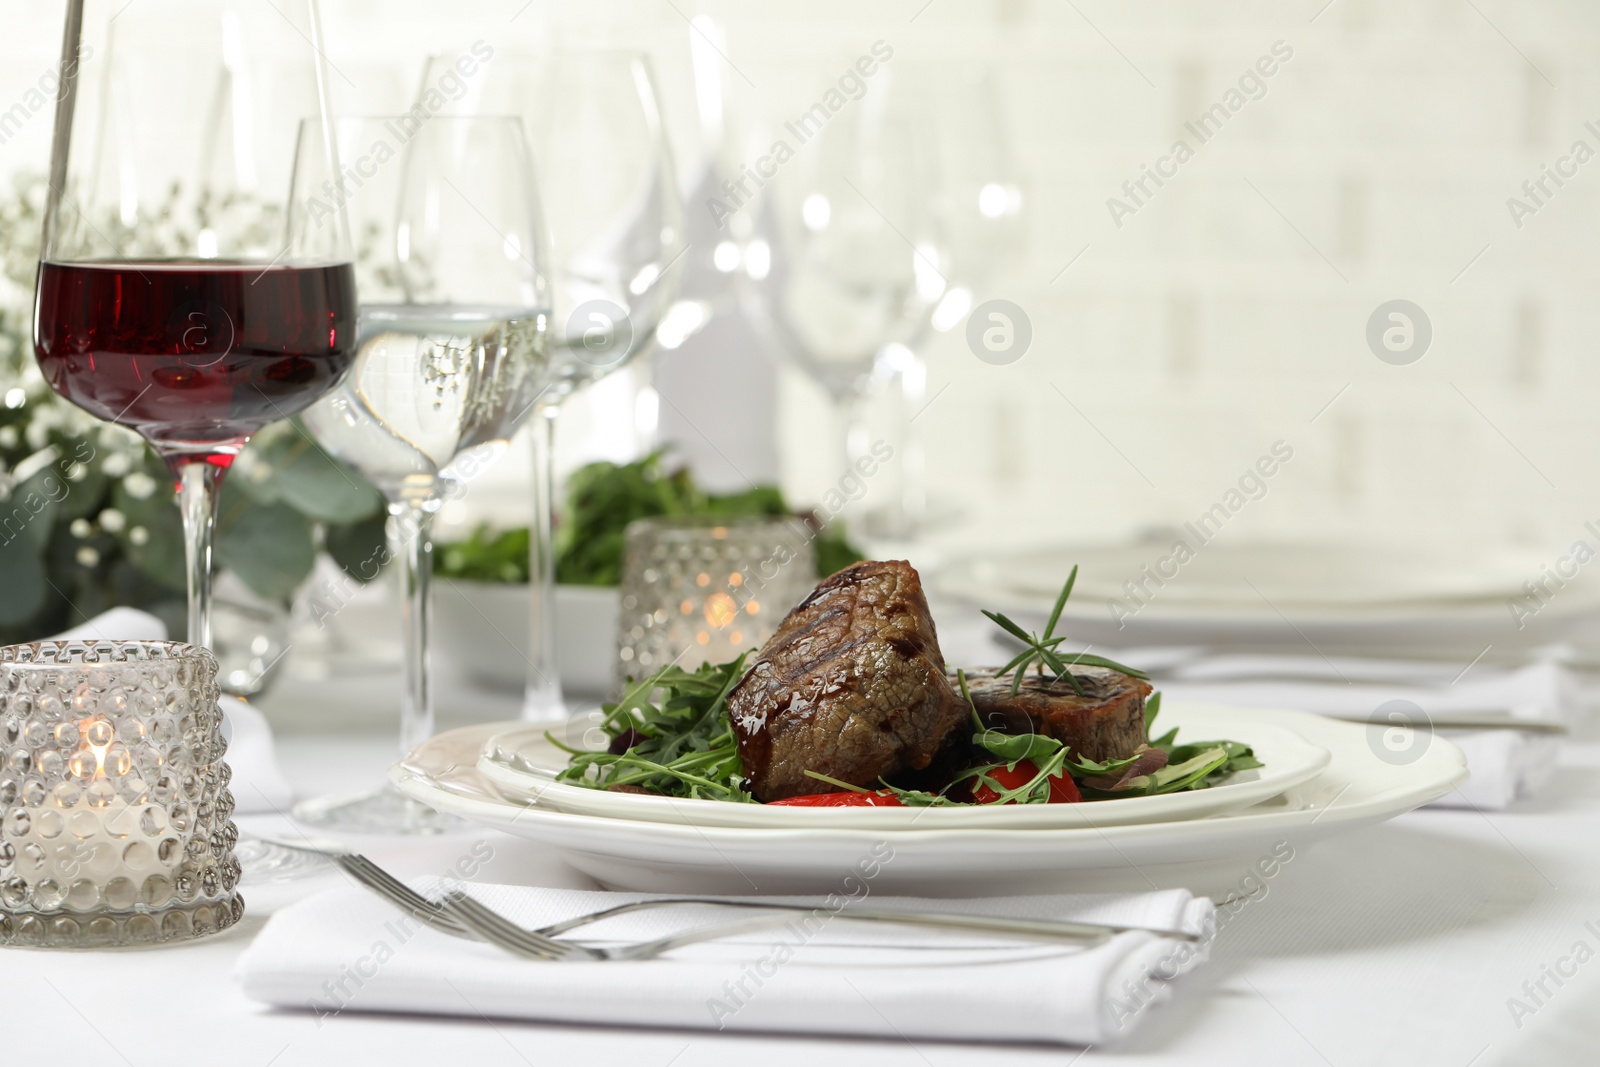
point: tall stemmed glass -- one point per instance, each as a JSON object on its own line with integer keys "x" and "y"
{"x": 451, "y": 356}
{"x": 616, "y": 235}
{"x": 846, "y": 264}
{"x": 979, "y": 208}
{"x": 170, "y": 299}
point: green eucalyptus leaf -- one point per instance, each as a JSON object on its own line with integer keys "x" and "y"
{"x": 269, "y": 546}
{"x": 153, "y": 535}
{"x": 29, "y": 513}
{"x": 304, "y": 476}
{"x": 360, "y": 548}
{"x": 22, "y": 581}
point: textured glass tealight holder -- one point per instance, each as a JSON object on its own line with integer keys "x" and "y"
{"x": 696, "y": 591}
{"x": 116, "y": 822}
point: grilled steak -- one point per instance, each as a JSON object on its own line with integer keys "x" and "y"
{"x": 852, "y": 685}
{"x": 1107, "y": 722}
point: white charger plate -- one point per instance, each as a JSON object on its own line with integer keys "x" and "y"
{"x": 1345, "y": 598}
{"x": 522, "y": 764}
{"x": 1358, "y": 788}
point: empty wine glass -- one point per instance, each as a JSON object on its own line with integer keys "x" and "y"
{"x": 170, "y": 298}
{"x": 616, "y": 235}
{"x": 979, "y": 207}
{"x": 450, "y": 356}
{"x": 847, "y": 260}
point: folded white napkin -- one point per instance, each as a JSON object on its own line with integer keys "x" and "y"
{"x": 258, "y": 784}
{"x": 1505, "y": 764}
{"x": 346, "y": 950}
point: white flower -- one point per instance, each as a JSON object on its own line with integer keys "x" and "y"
{"x": 139, "y": 485}
{"x": 113, "y": 521}
{"x": 81, "y": 528}
{"x": 138, "y": 535}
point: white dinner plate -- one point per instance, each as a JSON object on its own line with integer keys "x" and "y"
{"x": 1360, "y": 786}
{"x": 1350, "y": 598}
{"x": 523, "y": 765}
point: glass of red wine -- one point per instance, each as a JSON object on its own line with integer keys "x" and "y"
{"x": 195, "y": 277}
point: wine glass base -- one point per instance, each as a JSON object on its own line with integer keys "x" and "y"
{"x": 382, "y": 811}
{"x": 541, "y": 705}
{"x": 265, "y": 863}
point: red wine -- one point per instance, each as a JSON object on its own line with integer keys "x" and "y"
{"x": 196, "y": 355}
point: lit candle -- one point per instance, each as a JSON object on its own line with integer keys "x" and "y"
{"x": 116, "y": 824}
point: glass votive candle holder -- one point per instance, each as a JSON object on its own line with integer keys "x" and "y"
{"x": 116, "y": 822}
{"x": 701, "y": 591}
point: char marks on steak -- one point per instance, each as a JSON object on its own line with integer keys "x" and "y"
{"x": 852, "y": 685}
{"x": 1107, "y": 722}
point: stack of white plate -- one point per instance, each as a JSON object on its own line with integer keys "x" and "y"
{"x": 1351, "y": 599}
{"x": 1320, "y": 777}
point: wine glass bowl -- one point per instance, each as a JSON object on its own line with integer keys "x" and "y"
{"x": 194, "y": 355}
{"x": 454, "y": 311}
{"x": 614, "y": 220}
{"x": 606, "y": 181}
{"x": 451, "y": 357}
{"x": 847, "y": 258}
{"x": 178, "y": 293}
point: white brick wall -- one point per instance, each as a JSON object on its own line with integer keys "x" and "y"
{"x": 1205, "y": 327}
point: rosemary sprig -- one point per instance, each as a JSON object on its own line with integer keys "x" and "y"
{"x": 1041, "y": 650}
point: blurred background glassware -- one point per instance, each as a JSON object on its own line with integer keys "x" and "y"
{"x": 451, "y": 356}
{"x": 704, "y": 591}
{"x": 979, "y": 204}
{"x": 250, "y": 637}
{"x": 616, "y": 235}
{"x": 848, "y": 261}
{"x": 237, "y": 323}
{"x": 117, "y": 816}
{"x": 483, "y": 628}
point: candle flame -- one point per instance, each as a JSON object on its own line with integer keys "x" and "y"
{"x": 89, "y": 729}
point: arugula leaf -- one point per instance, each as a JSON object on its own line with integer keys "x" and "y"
{"x": 1013, "y": 747}
{"x": 674, "y": 734}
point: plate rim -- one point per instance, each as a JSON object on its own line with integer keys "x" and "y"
{"x": 1387, "y": 803}
{"x": 1169, "y": 808}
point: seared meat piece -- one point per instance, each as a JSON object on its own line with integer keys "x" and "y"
{"x": 852, "y": 685}
{"x": 1107, "y": 722}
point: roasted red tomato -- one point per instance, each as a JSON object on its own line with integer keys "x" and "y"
{"x": 1063, "y": 790}
{"x": 881, "y": 799}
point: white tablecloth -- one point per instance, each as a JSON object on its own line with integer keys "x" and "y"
{"x": 1401, "y": 944}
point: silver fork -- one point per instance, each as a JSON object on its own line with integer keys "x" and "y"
{"x": 1046, "y": 928}
{"x": 539, "y": 944}
{"x": 462, "y": 916}
{"x": 379, "y": 881}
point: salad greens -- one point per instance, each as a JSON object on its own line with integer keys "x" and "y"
{"x": 1196, "y": 765}
{"x": 602, "y": 499}
{"x": 670, "y": 734}
{"x": 502, "y": 557}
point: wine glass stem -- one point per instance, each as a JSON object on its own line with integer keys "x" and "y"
{"x": 852, "y": 430}
{"x": 542, "y": 701}
{"x": 411, "y": 530}
{"x": 198, "y": 485}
